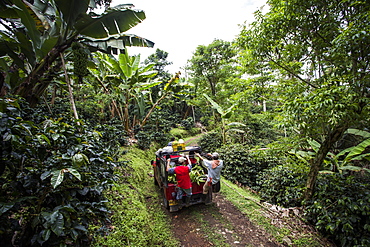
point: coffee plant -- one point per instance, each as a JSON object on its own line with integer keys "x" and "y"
{"x": 187, "y": 123}
{"x": 244, "y": 165}
{"x": 341, "y": 209}
{"x": 210, "y": 142}
{"x": 52, "y": 177}
{"x": 282, "y": 185}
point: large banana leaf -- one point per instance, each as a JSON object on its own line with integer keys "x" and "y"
{"x": 115, "y": 21}
{"x": 358, "y": 132}
{"x": 116, "y": 42}
{"x": 224, "y": 113}
{"x": 72, "y": 9}
{"x": 357, "y": 150}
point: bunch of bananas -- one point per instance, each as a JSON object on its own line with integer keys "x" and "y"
{"x": 197, "y": 174}
{"x": 80, "y": 60}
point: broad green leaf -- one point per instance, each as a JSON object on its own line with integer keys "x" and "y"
{"x": 80, "y": 159}
{"x": 114, "y": 21}
{"x": 214, "y": 105}
{"x": 45, "y": 175}
{"x": 357, "y": 150}
{"x": 72, "y": 9}
{"x": 136, "y": 62}
{"x": 57, "y": 223}
{"x": 125, "y": 65}
{"x": 74, "y": 172}
{"x": 350, "y": 168}
{"x": 119, "y": 42}
{"x": 57, "y": 177}
{"x": 43, "y": 139}
{"x": 5, "y": 206}
{"x": 314, "y": 144}
{"x": 28, "y": 18}
{"x": 149, "y": 85}
{"x": 45, "y": 234}
{"x": 358, "y": 132}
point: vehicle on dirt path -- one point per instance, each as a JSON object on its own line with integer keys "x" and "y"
{"x": 167, "y": 182}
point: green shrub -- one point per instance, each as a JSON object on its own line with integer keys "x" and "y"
{"x": 281, "y": 185}
{"x": 52, "y": 178}
{"x": 144, "y": 139}
{"x": 187, "y": 123}
{"x": 340, "y": 209}
{"x": 243, "y": 165}
{"x": 210, "y": 142}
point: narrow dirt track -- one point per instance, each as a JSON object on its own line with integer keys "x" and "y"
{"x": 230, "y": 226}
{"x": 217, "y": 224}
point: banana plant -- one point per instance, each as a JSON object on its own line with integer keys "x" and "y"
{"x": 344, "y": 160}
{"x": 128, "y": 81}
{"x": 224, "y": 113}
{"x": 36, "y": 34}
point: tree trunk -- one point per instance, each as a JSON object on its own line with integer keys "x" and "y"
{"x": 316, "y": 162}
{"x": 27, "y": 89}
{"x": 73, "y": 106}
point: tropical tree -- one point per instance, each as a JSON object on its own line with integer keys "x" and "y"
{"x": 212, "y": 65}
{"x": 320, "y": 52}
{"x": 159, "y": 59}
{"x": 37, "y": 33}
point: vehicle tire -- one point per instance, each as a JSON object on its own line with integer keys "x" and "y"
{"x": 155, "y": 172}
{"x": 165, "y": 203}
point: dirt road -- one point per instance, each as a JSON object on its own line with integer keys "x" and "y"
{"x": 217, "y": 224}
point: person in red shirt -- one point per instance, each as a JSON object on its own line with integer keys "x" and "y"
{"x": 182, "y": 172}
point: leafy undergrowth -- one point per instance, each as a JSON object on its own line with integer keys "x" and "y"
{"x": 289, "y": 231}
{"x": 134, "y": 220}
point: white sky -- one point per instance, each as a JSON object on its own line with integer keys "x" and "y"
{"x": 178, "y": 27}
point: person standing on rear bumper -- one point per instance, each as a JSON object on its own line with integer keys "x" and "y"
{"x": 182, "y": 176}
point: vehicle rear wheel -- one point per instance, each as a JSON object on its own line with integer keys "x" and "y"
{"x": 165, "y": 203}
{"x": 155, "y": 176}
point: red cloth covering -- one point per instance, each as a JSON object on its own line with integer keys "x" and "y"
{"x": 182, "y": 177}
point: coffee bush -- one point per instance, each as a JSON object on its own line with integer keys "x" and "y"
{"x": 340, "y": 209}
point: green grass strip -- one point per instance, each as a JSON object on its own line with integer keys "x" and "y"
{"x": 135, "y": 221}
{"x": 248, "y": 203}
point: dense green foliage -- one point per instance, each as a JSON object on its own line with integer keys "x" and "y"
{"x": 243, "y": 165}
{"x": 210, "y": 142}
{"x": 281, "y": 185}
{"x": 341, "y": 209}
{"x": 52, "y": 178}
{"x": 296, "y": 119}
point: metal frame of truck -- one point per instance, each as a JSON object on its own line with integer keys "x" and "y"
{"x": 169, "y": 189}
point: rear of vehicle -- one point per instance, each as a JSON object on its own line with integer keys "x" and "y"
{"x": 167, "y": 182}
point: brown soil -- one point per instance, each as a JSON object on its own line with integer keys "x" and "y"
{"x": 226, "y": 226}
